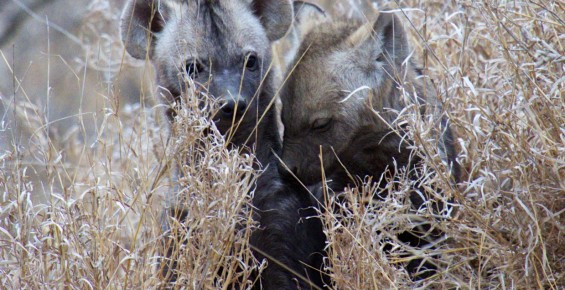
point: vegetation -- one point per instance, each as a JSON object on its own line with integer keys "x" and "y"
{"x": 81, "y": 198}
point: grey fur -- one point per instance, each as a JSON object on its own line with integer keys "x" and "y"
{"x": 217, "y": 39}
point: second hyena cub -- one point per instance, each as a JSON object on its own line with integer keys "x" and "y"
{"x": 340, "y": 99}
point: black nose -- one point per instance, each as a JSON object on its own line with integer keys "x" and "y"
{"x": 288, "y": 171}
{"x": 233, "y": 107}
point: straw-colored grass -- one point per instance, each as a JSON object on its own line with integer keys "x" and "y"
{"x": 83, "y": 208}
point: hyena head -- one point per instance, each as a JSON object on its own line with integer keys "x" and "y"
{"x": 343, "y": 73}
{"x": 224, "y": 46}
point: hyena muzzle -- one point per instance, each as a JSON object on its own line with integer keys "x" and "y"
{"x": 224, "y": 48}
{"x": 339, "y": 101}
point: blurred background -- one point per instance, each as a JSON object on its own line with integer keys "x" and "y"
{"x": 63, "y": 71}
{"x": 63, "y": 56}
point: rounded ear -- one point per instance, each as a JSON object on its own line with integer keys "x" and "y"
{"x": 140, "y": 20}
{"x": 389, "y": 30}
{"x": 385, "y": 34}
{"x": 306, "y": 11}
{"x": 306, "y": 16}
{"x": 275, "y": 15}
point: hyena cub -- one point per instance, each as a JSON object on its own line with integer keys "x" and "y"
{"x": 224, "y": 47}
{"x": 338, "y": 102}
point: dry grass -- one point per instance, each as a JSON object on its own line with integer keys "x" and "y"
{"x": 82, "y": 209}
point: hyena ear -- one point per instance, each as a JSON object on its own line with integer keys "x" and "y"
{"x": 389, "y": 30}
{"x": 385, "y": 34}
{"x": 308, "y": 12}
{"x": 306, "y": 16}
{"x": 275, "y": 15}
{"x": 141, "y": 19}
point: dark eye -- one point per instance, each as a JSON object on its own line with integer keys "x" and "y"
{"x": 381, "y": 57}
{"x": 251, "y": 62}
{"x": 322, "y": 124}
{"x": 193, "y": 69}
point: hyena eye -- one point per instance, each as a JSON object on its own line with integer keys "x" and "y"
{"x": 381, "y": 57}
{"x": 322, "y": 124}
{"x": 251, "y": 61}
{"x": 193, "y": 69}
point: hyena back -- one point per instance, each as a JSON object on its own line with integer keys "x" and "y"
{"x": 224, "y": 48}
{"x": 341, "y": 97}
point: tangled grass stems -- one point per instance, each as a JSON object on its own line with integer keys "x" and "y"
{"x": 83, "y": 209}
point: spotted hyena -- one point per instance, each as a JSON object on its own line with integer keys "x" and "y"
{"x": 342, "y": 90}
{"x": 224, "y": 48}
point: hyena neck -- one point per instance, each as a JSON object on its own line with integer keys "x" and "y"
{"x": 264, "y": 141}
{"x": 269, "y": 143}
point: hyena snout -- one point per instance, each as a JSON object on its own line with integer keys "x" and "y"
{"x": 233, "y": 107}
{"x": 292, "y": 172}
{"x": 231, "y": 91}
{"x": 297, "y": 164}
{"x": 287, "y": 170}
{"x": 291, "y": 166}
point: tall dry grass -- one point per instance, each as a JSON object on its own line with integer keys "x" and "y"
{"x": 499, "y": 70}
